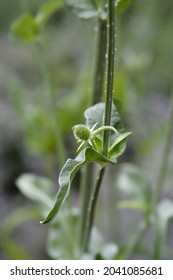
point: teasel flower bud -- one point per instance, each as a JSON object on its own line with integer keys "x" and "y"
{"x": 81, "y": 132}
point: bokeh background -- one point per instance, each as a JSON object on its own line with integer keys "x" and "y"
{"x": 143, "y": 83}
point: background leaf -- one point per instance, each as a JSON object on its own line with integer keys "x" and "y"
{"x": 83, "y": 9}
{"x": 25, "y": 29}
{"x": 133, "y": 182}
{"x": 63, "y": 236}
{"x": 63, "y": 239}
{"x": 38, "y": 189}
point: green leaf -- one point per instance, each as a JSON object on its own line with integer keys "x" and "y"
{"x": 118, "y": 146}
{"x": 83, "y": 9}
{"x": 133, "y": 182}
{"x": 117, "y": 143}
{"x": 98, "y": 143}
{"x": 121, "y": 5}
{"x": 95, "y": 114}
{"x": 38, "y": 189}
{"x": 62, "y": 240}
{"x": 67, "y": 174}
{"x": 47, "y": 10}
{"x": 25, "y": 29}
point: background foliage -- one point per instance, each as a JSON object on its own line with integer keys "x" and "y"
{"x": 45, "y": 86}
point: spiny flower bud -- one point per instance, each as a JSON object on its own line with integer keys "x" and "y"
{"x": 81, "y": 132}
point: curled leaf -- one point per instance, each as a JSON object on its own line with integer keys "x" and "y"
{"x": 67, "y": 174}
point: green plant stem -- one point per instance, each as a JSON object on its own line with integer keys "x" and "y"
{"x": 87, "y": 173}
{"x": 86, "y": 183}
{"x": 165, "y": 155}
{"x": 100, "y": 62}
{"x": 60, "y": 149}
{"x": 107, "y": 118}
{"x": 91, "y": 208}
{"x": 110, "y": 71}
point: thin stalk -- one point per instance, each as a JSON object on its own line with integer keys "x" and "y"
{"x": 110, "y": 72}
{"x": 91, "y": 208}
{"x": 108, "y": 107}
{"x": 87, "y": 172}
{"x": 49, "y": 96}
{"x": 165, "y": 156}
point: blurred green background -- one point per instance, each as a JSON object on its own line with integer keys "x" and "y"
{"x": 28, "y": 136}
